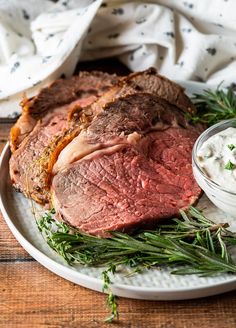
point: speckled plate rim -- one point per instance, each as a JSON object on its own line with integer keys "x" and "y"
{"x": 124, "y": 290}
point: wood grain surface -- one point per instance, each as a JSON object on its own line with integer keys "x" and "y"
{"x": 33, "y": 297}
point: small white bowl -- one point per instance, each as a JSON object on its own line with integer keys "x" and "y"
{"x": 224, "y": 199}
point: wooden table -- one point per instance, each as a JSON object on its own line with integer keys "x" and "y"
{"x": 33, "y": 297}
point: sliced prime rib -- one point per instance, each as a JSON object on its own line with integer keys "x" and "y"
{"x": 43, "y": 130}
{"x": 132, "y": 167}
{"x": 148, "y": 81}
{"x": 62, "y": 92}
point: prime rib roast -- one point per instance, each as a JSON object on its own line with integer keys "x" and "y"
{"x": 42, "y": 130}
{"x": 109, "y": 153}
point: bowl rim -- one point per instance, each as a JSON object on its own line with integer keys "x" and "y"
{"x": 194, "y": 155}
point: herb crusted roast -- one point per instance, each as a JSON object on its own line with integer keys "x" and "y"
{"x": 124, "y": 156}
{"x": 148, "y": 82}
{"x": 138, "y": 169}
{"x": 43, "y": 130}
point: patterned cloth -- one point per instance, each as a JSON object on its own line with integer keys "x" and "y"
{"x": 41, "y": 40}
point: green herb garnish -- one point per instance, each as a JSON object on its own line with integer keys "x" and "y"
{"x": 214, "y": 106}
{"x": 231, "y": 146}
{"x": 190, "y": 245}
{"x": 230, "y": 166}
{"x": 111, "y": 299}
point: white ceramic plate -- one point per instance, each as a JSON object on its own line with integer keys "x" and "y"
{"x": 152, "y": 284}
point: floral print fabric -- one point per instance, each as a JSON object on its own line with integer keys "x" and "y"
{"x": 185, "y": 40}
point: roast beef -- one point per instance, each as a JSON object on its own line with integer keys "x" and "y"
{"x": 44, "y": 131}
{"x": 116, "y": 153}
{"x": 148, "y": 81}
{"x": 84, "y": 86}
{"x": 131, "y": 167}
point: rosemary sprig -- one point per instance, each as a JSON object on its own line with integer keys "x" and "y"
{"x": 193, "y": 243}
{"x": 111, "y": 299}
{"x": 214, "y": 106}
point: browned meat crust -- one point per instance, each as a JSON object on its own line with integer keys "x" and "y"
{"x": 45, "y": 132}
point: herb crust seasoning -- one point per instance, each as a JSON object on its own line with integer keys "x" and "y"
{"x": 217, "y": 158}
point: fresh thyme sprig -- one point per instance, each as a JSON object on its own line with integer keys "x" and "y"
{"x": 193, "y": 243}
{"x": 214, "y": 106}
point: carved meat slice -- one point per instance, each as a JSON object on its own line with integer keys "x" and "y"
{"x": 46, "y": 132}
{"x": 130, "y": 168}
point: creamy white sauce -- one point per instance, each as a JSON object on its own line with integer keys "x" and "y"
{"x": 215, "y": 156}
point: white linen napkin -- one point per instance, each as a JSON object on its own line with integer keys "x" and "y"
{"x": 41, "y": 40}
